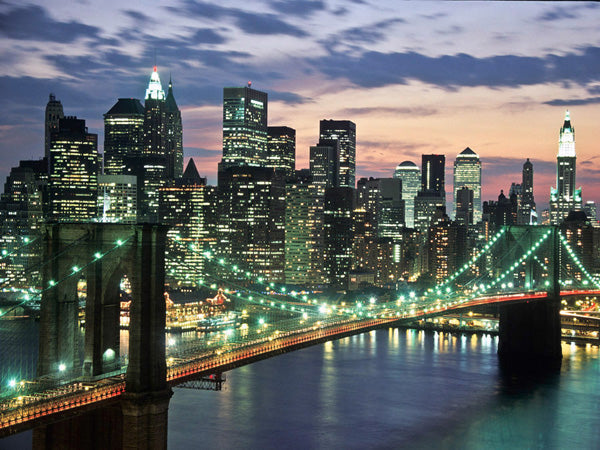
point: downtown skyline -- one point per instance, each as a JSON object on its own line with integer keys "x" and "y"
{"x": 432, "y": 78}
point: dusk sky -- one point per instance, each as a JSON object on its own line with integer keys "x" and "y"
{"x": 415, "y": 77}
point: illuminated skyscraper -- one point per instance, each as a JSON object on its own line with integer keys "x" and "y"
{"x": 123, "y": 134}
{"x": 244, "y": 127}
{"x": 432, "y": 195}
{"x": 345, "y": 132}
{"x": 189, "y": 207}
{"x": 117, "y": 198}
{"x": 565, "y": 197}
{"x": 73, "y": 179}
{"x": 527, "y": 213}
{"x": 281, "y": 148}
{"x": 54, "y": 112}
{"x": 338, "y": 233}
{"x": 410, "y": 175}
{"x": 467, "y": 173}
{"x": 324, "y": 163}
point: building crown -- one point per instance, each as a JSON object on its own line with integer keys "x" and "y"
{"x": 155, "y": 90}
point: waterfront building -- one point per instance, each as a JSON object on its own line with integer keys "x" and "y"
{"x": 73, "y": 172}
{"x": 281, "y": 149}
{"x": 467, "y": 173}
{"x": 189, "y": 208}
{"x": 343, "y": 131}
{"x": 410, "y": 175}
{"x": 565, "y": 197}
{"x": 304, "y": 243}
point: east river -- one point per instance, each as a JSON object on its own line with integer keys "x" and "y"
{"x": 391, "y": 388}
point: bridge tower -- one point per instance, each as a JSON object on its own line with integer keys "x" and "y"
{"x": 530, "y": 331}
{"x": 103, "y": 254}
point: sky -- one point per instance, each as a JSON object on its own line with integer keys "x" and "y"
{"x": 416, "y": 77}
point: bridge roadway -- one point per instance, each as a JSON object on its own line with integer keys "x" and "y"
{"x": 72, "y": 398}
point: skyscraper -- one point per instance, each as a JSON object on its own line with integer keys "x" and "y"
{"x": 73, "y": 180}
{"x": 244, "y": 127}
{"x": 432, "y": 196}
{"x": 345, "y": 132}
{"x": 565, "y": 197}
{"x": 54, "y": 112}
{"x": 324, "y": 163}
{"x": 338, "y": 231}
{"x": 173, "y": 136}
{"x": 467, "y": 173}
{"x": 410, "y": 175}
{"x": 123, "y": 134}
{"x": 281, "y": 149}
{"x": 527, "y": 213}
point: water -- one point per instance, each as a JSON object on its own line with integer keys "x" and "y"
{"x": 391, "y": 389}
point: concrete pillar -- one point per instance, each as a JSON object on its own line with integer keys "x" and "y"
{"x": 145, "y": 420}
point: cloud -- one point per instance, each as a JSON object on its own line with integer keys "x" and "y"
{"x": 298, "y": 8}
{"x": 376, "y": 69}
{"x": 139, "y": 18}
{"x": 559, "y": 13}
{"x": 290, "y": 98}
{"x": 573, "y": 101}
{"x": 383, "y": 110}
{"x": 33, "y": 23}
{"x": 206, "y": 36}
{"x": 368, "y": 34}
{"x": 249, "y": 22}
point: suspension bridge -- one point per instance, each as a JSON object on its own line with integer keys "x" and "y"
{"x": 522, "y": 274}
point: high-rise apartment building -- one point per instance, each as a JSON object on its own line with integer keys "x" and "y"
{"x": 73, "y": 172}
{"x": 54, "y": 112}
{"x": 467, "y": 173}
{"x": 410, "y": 175}
{"x": 281, "y": 149}
{"x": 123, "y": 134}
{"x": 527, "y": 212}
{"x": 343, "y": 131}
{"x": 565, "y": 197}
{"x": 244, "y": 127}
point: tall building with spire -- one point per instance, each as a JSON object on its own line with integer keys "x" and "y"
{"x": 54, "y": 112}
{"x": 173, "y": 136}
{"x": 527, "y": 212}
{"x": 565, "y": 197}
{"x": 467, "y": 173}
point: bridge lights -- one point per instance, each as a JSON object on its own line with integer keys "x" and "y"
{"x": 510, "y": 285}
{"x": 412, "y": 294}
{"x": 119, "y": 243}
{"x": 372, "y": 300}
{"x": 261, "y": 321}
{"x": 12, "y": 383}
{"x": 62, "y": 367}
{"x": 75, "y": 269}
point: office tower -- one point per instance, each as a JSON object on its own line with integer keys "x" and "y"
{"x": 173, "y": 136}
{"x": 338, "y": 232}
{"x": 410, "y": 175}
{"x": 21, "y": 216}
{"x": 152, "y": 168}
{"x": 343, "y": 131}
{"x": 117, "y": 198}
{"x": 324, "y": 163}
{"x": 252, "y": 214}
{"x": 303, "y": 236}
{"x": 447, "y": 247}
{"x": 467, "y": 173}
{"x": 382, "y": 199}
{"x": 189, "y": 208}
{"x": 123, "y": 134}
{"x": 527, "y": 213}
{"x": 590, "y": 211}
{"x": 565, "y": 197}
{"x": 432, "y": 195}
{"x": 244, "y": 127}
{"x": 433, "y": 174}
{"x": 54, "y": 112}
{"x": 464, "y": 206}
{"x": 73, "y": 179}
{"x": 281, "y": 149}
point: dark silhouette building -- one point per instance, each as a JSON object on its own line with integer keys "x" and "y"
{"x": 343, "y": 131}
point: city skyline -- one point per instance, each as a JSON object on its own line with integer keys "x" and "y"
{"x": 433, "y": 78}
